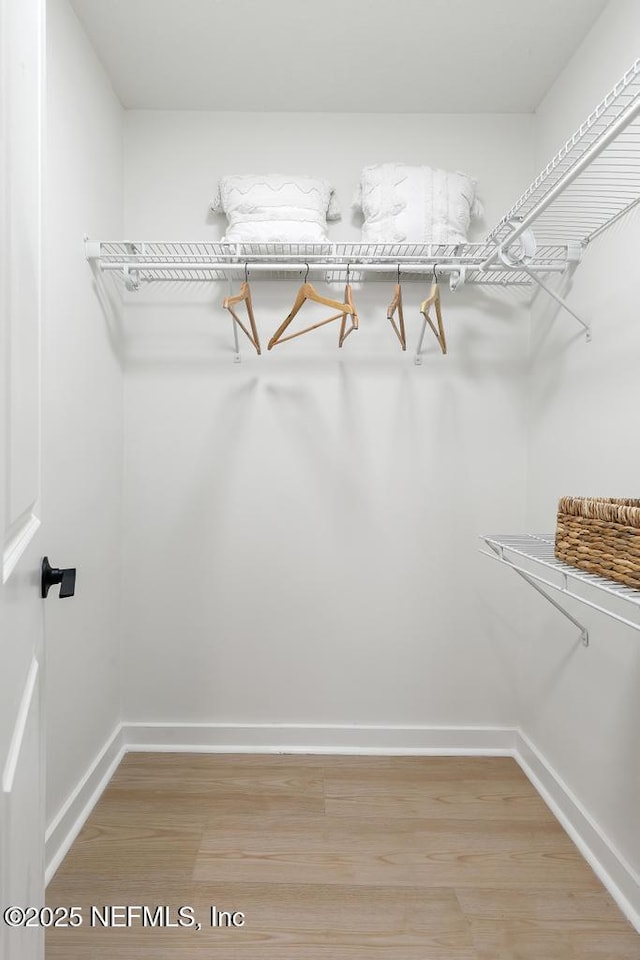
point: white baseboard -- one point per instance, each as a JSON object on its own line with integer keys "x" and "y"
{"x": 619, "y": 877}
{"x": 616, "y": 874}
{"x": 70, "y": 819}
{"x": 320, "y": 738}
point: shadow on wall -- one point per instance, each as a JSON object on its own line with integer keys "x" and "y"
{"x": 492, "y": 315}
{"x": 567, "y": 688}
{"x": 327, "y": 441}
{"x": 110, "y": 297}
{"x": 170, "y": 325}
{"x": 625, "y": 748}
{"x": 319, "y": 512}
{"x": 603, "y": 292}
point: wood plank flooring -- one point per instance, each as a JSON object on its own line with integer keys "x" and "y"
{"x": 333, "y": 858}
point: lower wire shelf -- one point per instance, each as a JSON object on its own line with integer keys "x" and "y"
{"x": 537, "y": 551}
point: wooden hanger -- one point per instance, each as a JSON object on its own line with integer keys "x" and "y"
{"x": 308, "y": 292}
{"x": 396, "y": 304}
{"x": 348, "y": 299}
{"x": 244, "y": 297}
{"x": 434, "y": 300}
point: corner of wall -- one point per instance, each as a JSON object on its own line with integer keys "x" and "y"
{"x": 82, "y": 402}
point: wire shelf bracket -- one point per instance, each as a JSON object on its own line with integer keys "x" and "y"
{"x": 561, "y": 301}
{"x": 498, "y": 554}
{"x": 548, "y": 572}
{"x": 519, "y": 252}
{"x": 237, "y": 356}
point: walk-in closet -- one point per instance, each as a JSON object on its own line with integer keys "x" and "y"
{"x": 321, "y": 506}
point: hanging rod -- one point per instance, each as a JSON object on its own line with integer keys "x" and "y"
{"x": 425, "y": 267}
{"x": 146, "y": 261}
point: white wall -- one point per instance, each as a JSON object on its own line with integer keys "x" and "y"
{"x": 82, "y": 457}
{"x": 582, "y": 707}
{"x": 301, "y": 529}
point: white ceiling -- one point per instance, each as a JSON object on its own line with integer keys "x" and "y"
{"x": 400, "y": 56}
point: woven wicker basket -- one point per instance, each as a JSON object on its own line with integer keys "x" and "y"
{"x": 601, "y": 536}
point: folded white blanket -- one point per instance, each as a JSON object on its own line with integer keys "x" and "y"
{"x": 402, "y": 203}
{"x": 276, "y": 208}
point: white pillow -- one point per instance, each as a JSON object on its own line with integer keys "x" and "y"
{"x": 274, "y": 208}
{"x": 410, "y": 204}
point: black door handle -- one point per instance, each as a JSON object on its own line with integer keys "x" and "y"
{"x": 51, "y": 575}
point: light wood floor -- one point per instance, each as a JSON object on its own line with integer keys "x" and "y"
{"x": 335, "y": 858}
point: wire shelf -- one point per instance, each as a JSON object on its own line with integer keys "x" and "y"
{"x": 511, "y": 549}
{"x": 592, "y": 181}
{"x": 147, "y": 261}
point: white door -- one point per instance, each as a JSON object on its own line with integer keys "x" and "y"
{"x": 21, "y": 607}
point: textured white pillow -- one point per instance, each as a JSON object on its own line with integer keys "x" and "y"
{"x": 274, "y": 208}
{"x": 411, "y": 204}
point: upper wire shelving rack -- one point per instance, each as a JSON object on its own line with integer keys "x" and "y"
{"x": 140, "y": 261}
{"x": 590, "y": 183}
